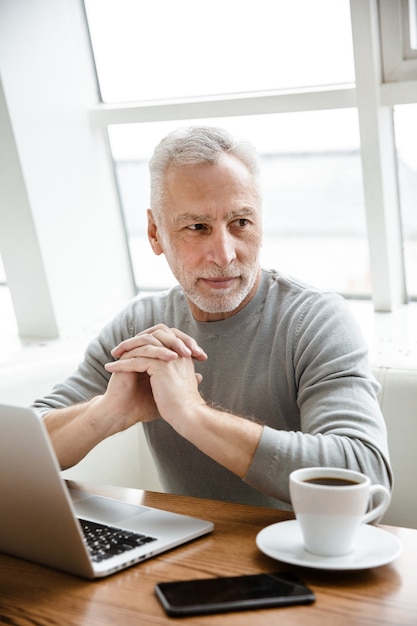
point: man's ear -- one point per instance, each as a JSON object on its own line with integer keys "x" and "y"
{"x": 153, "y": 234}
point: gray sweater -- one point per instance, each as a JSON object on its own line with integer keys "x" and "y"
{"x": 293, "y": 359}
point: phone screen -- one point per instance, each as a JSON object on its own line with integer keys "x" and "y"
{"x": 233, "y": 593}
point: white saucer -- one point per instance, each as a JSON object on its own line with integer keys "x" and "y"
{"x": 373, "y": 547}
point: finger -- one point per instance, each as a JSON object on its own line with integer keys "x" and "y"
{"x": 196, "y": 351}
{"x": 137, "y": 341}
{"x": 148, "y": 351}
{"x": 158, "y": 346}
{"x": 172, "y": 338}
{"x": 165, "y": 333}
{"x": 134, "y": 364}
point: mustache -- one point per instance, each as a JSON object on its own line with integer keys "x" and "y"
{"x": 231, "y": 273}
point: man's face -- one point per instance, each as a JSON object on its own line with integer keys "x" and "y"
{"x": 210, "y": 232}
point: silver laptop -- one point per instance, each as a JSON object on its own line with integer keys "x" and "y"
{"x": 42, "y": 520}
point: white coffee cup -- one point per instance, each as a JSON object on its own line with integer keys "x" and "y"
{"x": 330, "y": 514}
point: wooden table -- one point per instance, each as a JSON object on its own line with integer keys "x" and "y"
{"x": 32, "y": 594}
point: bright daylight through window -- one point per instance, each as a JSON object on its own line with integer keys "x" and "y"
{"x": 314, "y": 207}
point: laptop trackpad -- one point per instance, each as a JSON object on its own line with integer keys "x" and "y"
{"x": 106, "y": 510}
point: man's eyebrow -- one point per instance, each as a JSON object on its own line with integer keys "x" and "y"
{"x": 191, "y": 218}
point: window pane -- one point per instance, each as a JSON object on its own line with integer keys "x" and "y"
{"x": 165, "y": 49}
{"x": 314, "y": 218}
{"x": 405, "y": 136}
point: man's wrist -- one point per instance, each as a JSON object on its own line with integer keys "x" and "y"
{"x": 99, "y": 418}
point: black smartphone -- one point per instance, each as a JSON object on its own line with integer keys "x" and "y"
{"x": 233, "y": 593}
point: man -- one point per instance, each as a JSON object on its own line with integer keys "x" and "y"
{"x": 239, "y": 375}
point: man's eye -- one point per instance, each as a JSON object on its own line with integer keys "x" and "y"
{"x": 243, "y": 221}
{"x": 196, "y": 227}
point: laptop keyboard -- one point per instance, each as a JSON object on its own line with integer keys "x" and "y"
{"x": 104, "y": 541}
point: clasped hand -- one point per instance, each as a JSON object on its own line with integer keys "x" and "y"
{"x": 153, "y": 375}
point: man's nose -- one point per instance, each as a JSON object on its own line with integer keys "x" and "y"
{"x": 222, "y": 247}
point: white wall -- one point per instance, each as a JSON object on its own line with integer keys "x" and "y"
{"x": 68, "y": 264}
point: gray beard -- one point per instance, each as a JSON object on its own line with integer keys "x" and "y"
{"x": 221, "y": 303}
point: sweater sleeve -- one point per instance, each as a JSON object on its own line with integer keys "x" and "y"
{"x": 340, "y": 421}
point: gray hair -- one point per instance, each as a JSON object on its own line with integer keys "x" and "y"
{"x": 195, "y": 145}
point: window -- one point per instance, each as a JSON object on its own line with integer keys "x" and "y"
{"x": 307, "y": 158}
{"x": 183, "y": 49}
{"x": 313, "y": 198}
{"x": 314, "y": 208}
{"x": 314, "y": 153}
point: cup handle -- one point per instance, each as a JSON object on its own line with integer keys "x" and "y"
{"x": 382, "y": 506}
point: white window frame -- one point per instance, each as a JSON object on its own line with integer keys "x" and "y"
{"x": 399, "y": 59}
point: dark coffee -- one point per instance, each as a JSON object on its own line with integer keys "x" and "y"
{"x": 332, "y": 482}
